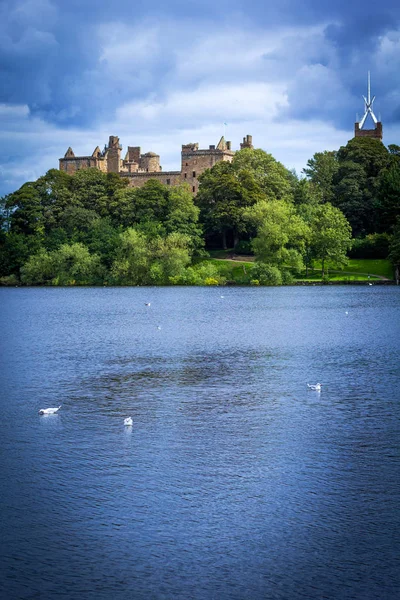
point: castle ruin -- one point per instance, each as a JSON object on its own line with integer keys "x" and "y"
{"x": 139, "y": 168}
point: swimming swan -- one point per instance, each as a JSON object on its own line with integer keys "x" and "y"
{"x": 128, "y": 421}
{"x": 49, "y": 411}
{"x": 315, "y": 388}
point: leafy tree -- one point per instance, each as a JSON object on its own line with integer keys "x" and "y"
{"x": 15, "y": 249}
{"x": 69, "y": 265}
{"x": 394, "y": 255}
{"x": 183, "y": 216}
{"x": 144, "y": 261}
{"x": 223, "y": 195}
{"x": 321, "y": 171}
{"x": 270, "y": 175}
{"x": 26, "y": 210}
{"x": 281, "y": 234}
{"x": 357, "y": 182}
{"x": 307, "y": 192}
{"x": 330, "y": 237}
{"x": 389, "y": 196}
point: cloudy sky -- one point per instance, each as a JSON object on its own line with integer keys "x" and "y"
{"x": 162, "y": 73}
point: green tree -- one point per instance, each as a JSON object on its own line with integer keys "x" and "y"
{"x": 144, "y": 261}
{"x": 71, "y": 264}
{"x": 321, "y": 171}
{"x": 281, "y": 234}
{"x": 357, "y": 182}
{"x": 330, "y": 237}
{"x": 270, "y": 175}
{"x": 389, "y": 196}
{"x": 394, "y": 255}
{"x": 307, "y": 192}
{"x": 223, "y": 195}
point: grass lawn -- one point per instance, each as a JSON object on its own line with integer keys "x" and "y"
{"x": 355, "y": 270}
{"x": 358, "y": 265}
{"x": 234, "y": 270}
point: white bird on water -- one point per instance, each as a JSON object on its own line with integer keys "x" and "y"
{"x": 49, "y": 411}
{"x": 147, "y": 303}
{"x": 128, "y": 421}
{"x": 315, "y": 388}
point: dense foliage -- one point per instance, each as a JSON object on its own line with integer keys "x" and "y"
{"x": 92, "y": 229}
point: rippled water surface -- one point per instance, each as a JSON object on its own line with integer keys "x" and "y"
{"x": 235, "y": 481}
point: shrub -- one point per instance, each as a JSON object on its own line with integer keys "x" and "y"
{"x": 375, "y": 245}
{"x": 244, "y": 247}
{"x": 9, "y": 280}
{"x": 267, "y": 274}
{"x": 200, "y": 274}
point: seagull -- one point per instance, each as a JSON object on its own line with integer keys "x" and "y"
{"x": 147, "y": 303}
{"x": 315, "y": 388}
{"x": 158, "y": 327}
{"x": 128, "y": 421}
{"x": 222, "y": 296}
{"x": 346, "y": 313}
{"x": 49, "y": 411}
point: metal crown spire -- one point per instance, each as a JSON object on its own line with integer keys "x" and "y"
{"x": 368, "y": 105}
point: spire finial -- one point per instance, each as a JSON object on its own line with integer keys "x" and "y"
{"x": 368, "y": 105}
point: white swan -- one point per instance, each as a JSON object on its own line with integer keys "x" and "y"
{"x": 315, "y": 388}
{"x": 128, "y": 421}
{"x": 49, "y": 411}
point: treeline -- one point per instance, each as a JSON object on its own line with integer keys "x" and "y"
{"x": 92, "y": 229}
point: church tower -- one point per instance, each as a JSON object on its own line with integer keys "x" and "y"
{"x": 358, "y": 126}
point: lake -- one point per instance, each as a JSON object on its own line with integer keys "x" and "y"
{"x": 235, "y": 481}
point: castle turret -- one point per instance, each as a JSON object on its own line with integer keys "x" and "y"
{"x": 247, "y": 142}
{"x": 150, "y": 162}
{"x": 113, "y": 153}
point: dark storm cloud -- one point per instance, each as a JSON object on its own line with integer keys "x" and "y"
{"x": 71, "y": 71}
{"x": 51, "y": 52}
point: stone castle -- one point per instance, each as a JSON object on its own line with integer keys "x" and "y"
{"x": 139, "y": 168}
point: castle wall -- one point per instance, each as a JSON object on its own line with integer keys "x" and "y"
{"x": 194, "y": 162}
{"x": 71, "y": 165}
{"x": 164, "y": 177}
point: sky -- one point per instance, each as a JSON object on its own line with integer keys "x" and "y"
{"x": 164, "y": 73}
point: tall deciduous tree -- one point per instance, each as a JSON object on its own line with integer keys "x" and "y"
{"x": 356, "y": 182}
{"x": 281, "y": 233}
{"x": 330, "y": 237}
{"x": 389, "y": 196}
{"x": 223, "y": 195}
{"x": 321, "y": 170}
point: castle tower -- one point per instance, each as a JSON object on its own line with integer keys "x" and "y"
{"x": 247, "y": 142}
{"x": 113, "y": 154}
{"x": 358, "y": 126}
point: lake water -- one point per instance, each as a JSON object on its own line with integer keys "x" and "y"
{"x": 235, "y": 481}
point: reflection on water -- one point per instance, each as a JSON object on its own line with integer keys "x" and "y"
{"x": 235, "y": 481}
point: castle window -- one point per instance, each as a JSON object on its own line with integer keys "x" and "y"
{"x": 186, "y": 164}
{"x": 168, "y": 182}
{"x": 194, "y": 173}
{"x": 185, "y": 175}
{"x": 194, "y": 189}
